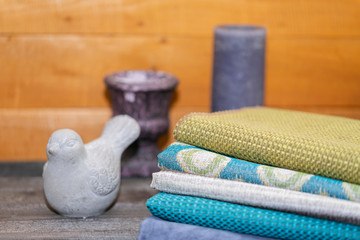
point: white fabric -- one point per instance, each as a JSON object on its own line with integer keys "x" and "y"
{"x": 258, "y": 196}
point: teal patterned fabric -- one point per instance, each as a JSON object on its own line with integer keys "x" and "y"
{"x": 187, "y": 158}
{"x": 249, "y": 220}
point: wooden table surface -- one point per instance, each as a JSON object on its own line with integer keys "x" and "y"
{"x": 24, "y": 214}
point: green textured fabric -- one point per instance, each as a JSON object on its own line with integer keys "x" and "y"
{"x": 317, "y": 144}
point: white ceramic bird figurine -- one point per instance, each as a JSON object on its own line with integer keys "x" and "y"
{"x": 83, "y": 180}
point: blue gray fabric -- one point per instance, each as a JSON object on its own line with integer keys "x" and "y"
{"x": 154, "y": 228}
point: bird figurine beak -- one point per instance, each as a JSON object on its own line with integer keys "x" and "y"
{"x": 53, "y": 149}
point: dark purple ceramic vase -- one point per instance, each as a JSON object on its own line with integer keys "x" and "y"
{"x": 145, "y": 96}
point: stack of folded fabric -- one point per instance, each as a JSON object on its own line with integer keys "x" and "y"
{"x": 260, "y": 171}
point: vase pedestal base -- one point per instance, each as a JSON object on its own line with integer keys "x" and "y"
{"x": 140, "y": 160}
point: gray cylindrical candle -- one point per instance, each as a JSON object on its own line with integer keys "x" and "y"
{"x": 239, "y": 66}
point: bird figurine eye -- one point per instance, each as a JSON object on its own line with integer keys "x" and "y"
{"x": 70, "y": 143}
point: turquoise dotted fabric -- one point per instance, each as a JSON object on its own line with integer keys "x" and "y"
{"x": 244, "y": 219}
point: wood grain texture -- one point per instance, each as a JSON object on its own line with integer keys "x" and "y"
{"x": 348, "y": 112}
{"x": 68, "y": 71}
{"x": 320, "y": 18}
{"x": 313, "y": 72}
{"x": 24, "y": 214}
{"x": 54, "y": 55}
{"x": 25, "y": 133}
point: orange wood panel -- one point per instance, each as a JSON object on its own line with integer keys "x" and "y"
{"x": 68, "y": 71}
{"x": 326, "y": 18}
{"x": 24, "y": 132}
{"x": 349, "y": 112}
{"x": 313, "y": 72}
{"x": 54, "y": 55}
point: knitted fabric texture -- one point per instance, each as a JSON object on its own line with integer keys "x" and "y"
{"x": 249, "y": 220}
{"x": 317, "y": 144}
{"x": 257, "y": 196}
{"x": 187, "y": 158}
{"x": 154, "y": 228}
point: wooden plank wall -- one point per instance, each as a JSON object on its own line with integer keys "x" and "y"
{"x": 54, "y": 55}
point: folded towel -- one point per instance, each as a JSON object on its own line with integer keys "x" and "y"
{"x": 316, "y": 144}
{"x": 186, "y": 158}
{"x": 154, "y": 228}
{"x": 258, "y": 196}
{"x": 244, "y": 219}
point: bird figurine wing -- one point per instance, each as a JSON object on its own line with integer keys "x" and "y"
{"x": 105, "y": 153}
{"x": 104, "y": 170}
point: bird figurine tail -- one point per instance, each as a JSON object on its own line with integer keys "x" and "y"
{"x": 121, "y": 131}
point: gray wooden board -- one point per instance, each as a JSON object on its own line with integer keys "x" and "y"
{"x": 23, "y": 169}
{"x": 24, "y": 214}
